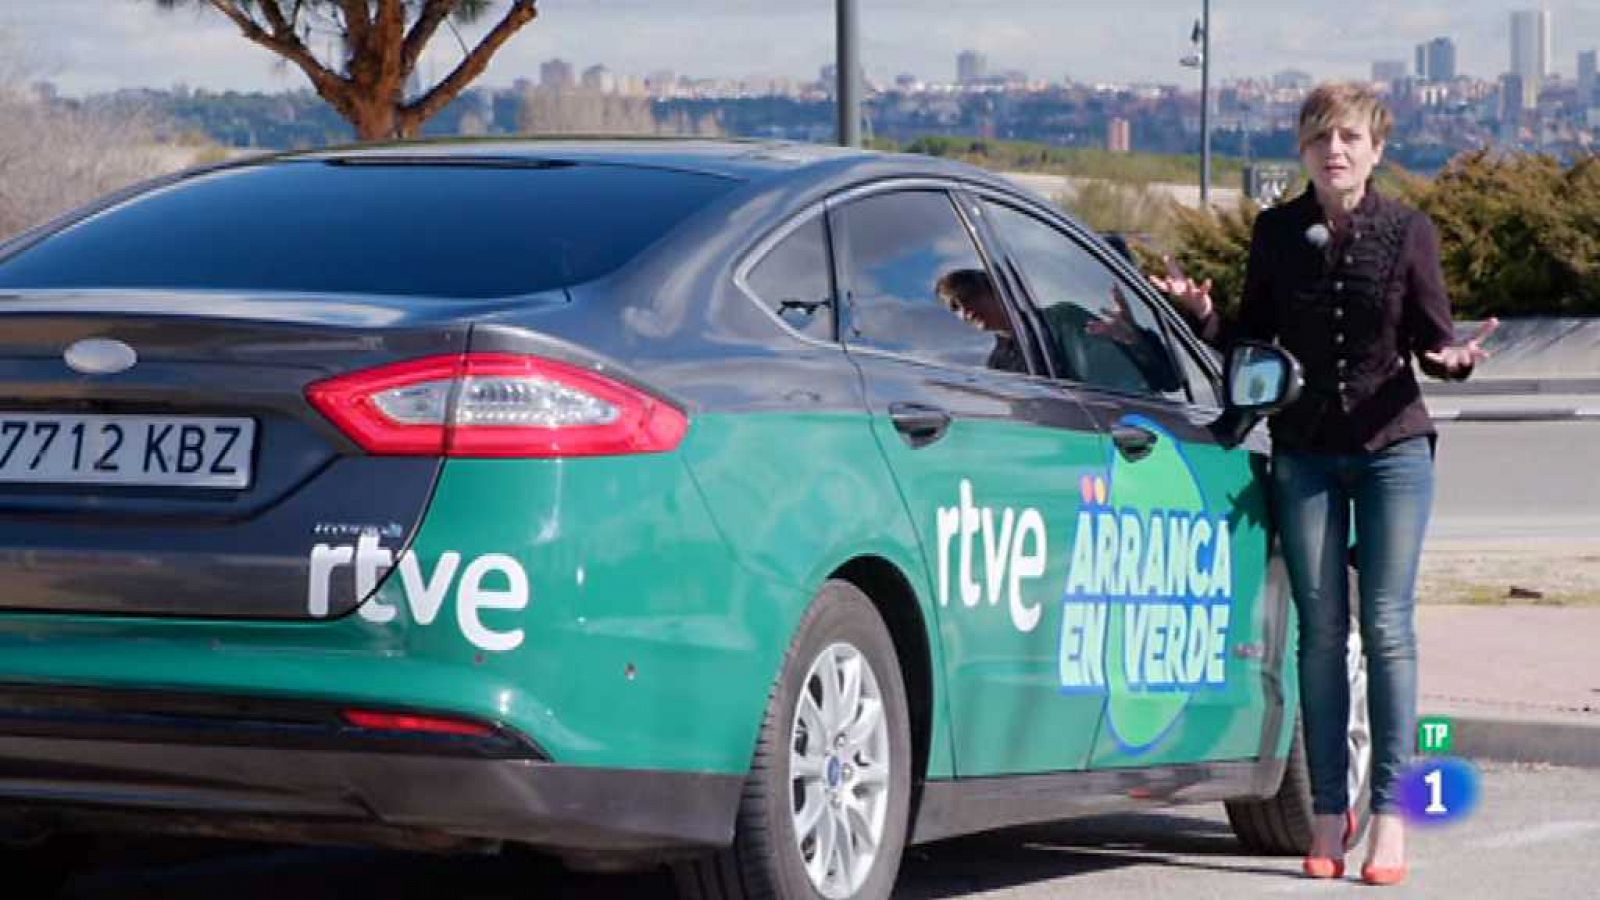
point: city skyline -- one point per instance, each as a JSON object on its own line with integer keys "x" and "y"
{"x": 127, "y": 43}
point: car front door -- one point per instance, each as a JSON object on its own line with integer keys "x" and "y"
{"x": 1163, "y": 611}
{"x": 990, "y": 456}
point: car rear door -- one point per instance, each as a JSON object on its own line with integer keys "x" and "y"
{"x": 1168, "y": 561}
{"x": 990, "y": 459}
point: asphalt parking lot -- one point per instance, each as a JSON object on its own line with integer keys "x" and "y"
{"x": 1535, "y": 835}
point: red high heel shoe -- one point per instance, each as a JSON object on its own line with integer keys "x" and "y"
{"x": 1328, "y": 867}
{"x": 1383, "y": 876}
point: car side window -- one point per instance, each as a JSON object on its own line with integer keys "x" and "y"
{"x": 795, "y": 280}
{"x": 916, "y": 285}
{"x": 1201, "y": 389}
{"x": 1100, "y": 331}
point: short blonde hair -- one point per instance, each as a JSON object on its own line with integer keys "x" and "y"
{"x": 1334, "y": 102}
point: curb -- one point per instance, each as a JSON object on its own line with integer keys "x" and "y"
{"x": 1523, "y": 414}
{"x": 1506, "y": 387}
{"x": 1509, "y": 740}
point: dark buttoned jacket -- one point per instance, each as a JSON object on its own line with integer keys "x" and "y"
{"x": 1354, "y": 307}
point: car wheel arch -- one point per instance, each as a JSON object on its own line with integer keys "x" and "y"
{"x": 896, "y": 601}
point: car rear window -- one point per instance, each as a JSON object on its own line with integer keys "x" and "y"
{"x": 462, "y": 230}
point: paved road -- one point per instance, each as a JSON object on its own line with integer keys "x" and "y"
{"x": 1536, "y": 835}
{"x": 1518, "y": 479}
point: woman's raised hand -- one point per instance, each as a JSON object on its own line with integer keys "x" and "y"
{"x": 1460, "y": 357}
{"x": 1193, "y": 296}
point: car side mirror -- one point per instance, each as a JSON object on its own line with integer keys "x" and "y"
{"x": 1258, "y": 380}
{"x": 1261, "y": 378}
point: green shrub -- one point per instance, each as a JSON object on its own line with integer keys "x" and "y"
{"x": 1520, "y": 233}
{"x": 1214, "y": 245}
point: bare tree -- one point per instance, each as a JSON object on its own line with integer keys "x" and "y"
{"x": 379, "y": 44}
{"x": 54, "y": 157}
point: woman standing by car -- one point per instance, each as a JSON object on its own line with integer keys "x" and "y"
{"x": 1349, "y": 281}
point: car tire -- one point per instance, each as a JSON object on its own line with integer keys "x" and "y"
{"x": 1280, "y": 825}
{"x": 800, "y": 784}
{"x": 39, "y": 868}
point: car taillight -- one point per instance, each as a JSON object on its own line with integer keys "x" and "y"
{"x": 495, "y": 404}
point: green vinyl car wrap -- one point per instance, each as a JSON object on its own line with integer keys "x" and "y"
{"x": 815, "y": 504}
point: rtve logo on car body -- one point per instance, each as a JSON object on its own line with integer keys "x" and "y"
{"x": 1015, "y": 548}
{"x": 424, "y": 593}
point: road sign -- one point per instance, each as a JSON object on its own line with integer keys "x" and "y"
{"x": 1266, "y": 183}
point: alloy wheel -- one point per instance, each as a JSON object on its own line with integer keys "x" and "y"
{"x": 839, "y": 771}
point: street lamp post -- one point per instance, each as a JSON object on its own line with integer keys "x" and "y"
{"x": 1201, "y": 59}
{"x": 848, "y": 64}
{"x": 1205, "y": 104}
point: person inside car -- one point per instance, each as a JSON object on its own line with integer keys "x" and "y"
{"x": 970, "y": 294}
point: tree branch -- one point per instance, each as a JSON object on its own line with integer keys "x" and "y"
{"x": 283, "y": 41}
{"x": 275, "y": 17}
{"x": 389, "y": 30}
{"x": 434, "y": 12}
{"x": 521, "y": 13}
{"x": 356, "y": 23}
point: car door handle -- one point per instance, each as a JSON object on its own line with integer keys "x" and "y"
{"x": 919, "y": 424}
{"x": 1133, "y": 442}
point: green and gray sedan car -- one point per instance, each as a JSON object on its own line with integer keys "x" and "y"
{"x": 754, "y": 509}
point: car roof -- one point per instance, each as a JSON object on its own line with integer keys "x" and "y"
{"x": 762, "y": 161}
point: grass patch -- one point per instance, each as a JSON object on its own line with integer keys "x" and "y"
{"x": 1465, "y": 594}
{"x": 1077, "y": 162}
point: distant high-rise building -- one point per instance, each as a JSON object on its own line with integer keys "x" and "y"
{"x": 599, "y": 78}
{"x": 971, "y": 66}
{"x": 661, "y": 83}
{"x": 632, "y": 86}
{"x": 1530, "y": 51}
{"x": 1436, "y": 60}
{"x": 1513, "y": 98}
{"x": 1587, "y": 80}
{"x": 1119, "y": 136}
{"x": 1389, "y": 70}
{"x": 556, "y": 73}
{"x": 1291, "y": 80}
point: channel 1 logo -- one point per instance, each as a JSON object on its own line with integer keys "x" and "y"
{"x": 1440, "y": 789}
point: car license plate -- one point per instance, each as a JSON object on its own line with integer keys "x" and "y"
{"x": 147, "y": 451}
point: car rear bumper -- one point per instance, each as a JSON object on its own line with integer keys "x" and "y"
{"x": 363, "y": 796}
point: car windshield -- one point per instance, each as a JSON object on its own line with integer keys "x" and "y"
{"x": 440, "y": 228}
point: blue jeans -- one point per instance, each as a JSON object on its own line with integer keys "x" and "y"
{"x": 1391, "y": 492}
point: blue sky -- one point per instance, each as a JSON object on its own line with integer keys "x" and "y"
{"x": 91, "y": 45}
